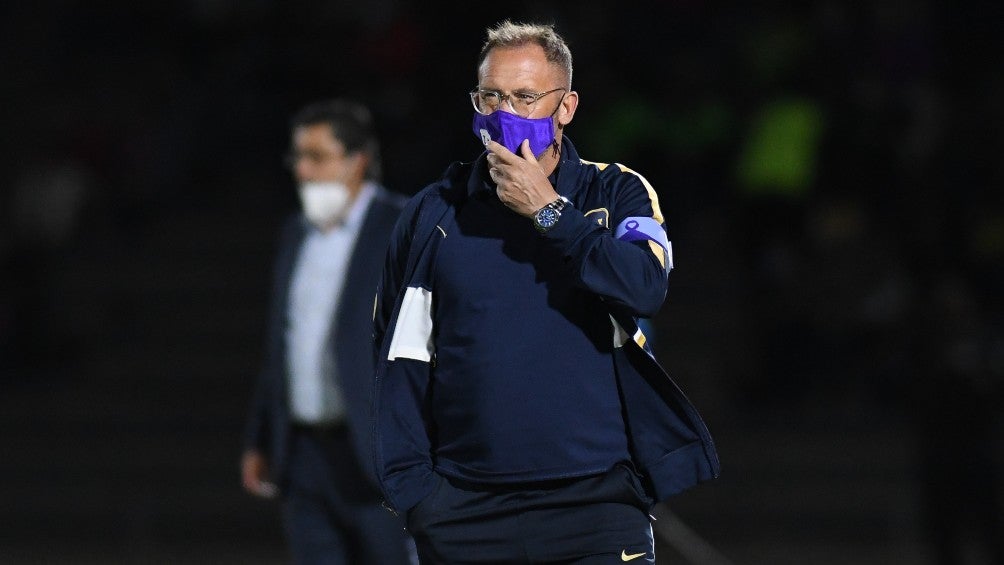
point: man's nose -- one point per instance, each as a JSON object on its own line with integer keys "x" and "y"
{"x": 302, "y": 170}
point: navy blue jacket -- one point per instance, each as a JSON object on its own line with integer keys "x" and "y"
{"x": 668, "y": 441}
{"x": 268, "y": 426}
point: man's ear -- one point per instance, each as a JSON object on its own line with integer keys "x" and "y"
{"x": 566, "y": 111}
{"x": 360, "y": 161}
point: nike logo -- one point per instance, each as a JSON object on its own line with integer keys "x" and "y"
{"x": 626, "y": 557}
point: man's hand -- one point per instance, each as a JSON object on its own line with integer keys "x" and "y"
{"x": 254, "y": 474}
{"x": 521, "y": 183}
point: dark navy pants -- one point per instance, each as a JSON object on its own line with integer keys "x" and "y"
{"x": 332, "y": 514}
{"x": 593, "y": 520}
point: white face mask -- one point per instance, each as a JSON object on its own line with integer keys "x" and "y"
{"x": 324, "y": 203}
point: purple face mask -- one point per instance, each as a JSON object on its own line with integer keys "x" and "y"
{"x": 510, "y": 130}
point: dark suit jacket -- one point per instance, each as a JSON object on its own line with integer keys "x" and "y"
{"x": 268, "y": 427}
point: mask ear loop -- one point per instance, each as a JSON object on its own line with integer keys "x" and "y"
{"x": 555, "y": 148}
{"x": 556, "y": 108}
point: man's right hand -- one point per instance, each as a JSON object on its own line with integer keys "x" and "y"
{"x": 254, "y": 474}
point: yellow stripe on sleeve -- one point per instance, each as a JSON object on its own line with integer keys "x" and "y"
{"x": 652, "y": 196}
{"x": 658, "y": 251}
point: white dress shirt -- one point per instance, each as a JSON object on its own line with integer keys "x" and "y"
{"x": 315, "y": 293}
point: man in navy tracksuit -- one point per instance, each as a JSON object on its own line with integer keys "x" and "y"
{"x": 519, "y": 416}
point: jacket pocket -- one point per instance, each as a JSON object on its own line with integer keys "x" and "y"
{"x": 418, "y": 515}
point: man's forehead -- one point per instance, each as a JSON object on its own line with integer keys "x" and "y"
{"x": 316, "y": 133}
{"x": 520, "y": 62}
{"x": 515, "y": 54}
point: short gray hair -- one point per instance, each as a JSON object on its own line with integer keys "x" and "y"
{"x": 509, "y": 34}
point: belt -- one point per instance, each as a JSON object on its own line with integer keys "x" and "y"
{"x": 327, "y": 430}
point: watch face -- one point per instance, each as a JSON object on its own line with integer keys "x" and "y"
{"x": 547, "y": 217}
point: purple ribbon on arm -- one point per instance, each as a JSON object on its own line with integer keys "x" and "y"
{"x": 641, "y": 228}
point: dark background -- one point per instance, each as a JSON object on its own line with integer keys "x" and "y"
{"x": 829, "y": 173}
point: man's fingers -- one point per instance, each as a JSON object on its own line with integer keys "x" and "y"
{"x": 524, "y": 149}
{"x": 267, "y": 489}
{"x": 260, "y": 487}
{"x": 254, "y": 475}
{"x": 500, "y": 151}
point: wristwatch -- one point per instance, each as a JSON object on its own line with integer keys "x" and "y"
{"x": 545, "y": 218}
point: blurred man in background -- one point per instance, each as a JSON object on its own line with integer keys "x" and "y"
{"x": 307, "y": 433}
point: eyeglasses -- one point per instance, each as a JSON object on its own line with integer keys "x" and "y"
{"x": 313, "y": 156}
{"x": 521, "y": 103}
